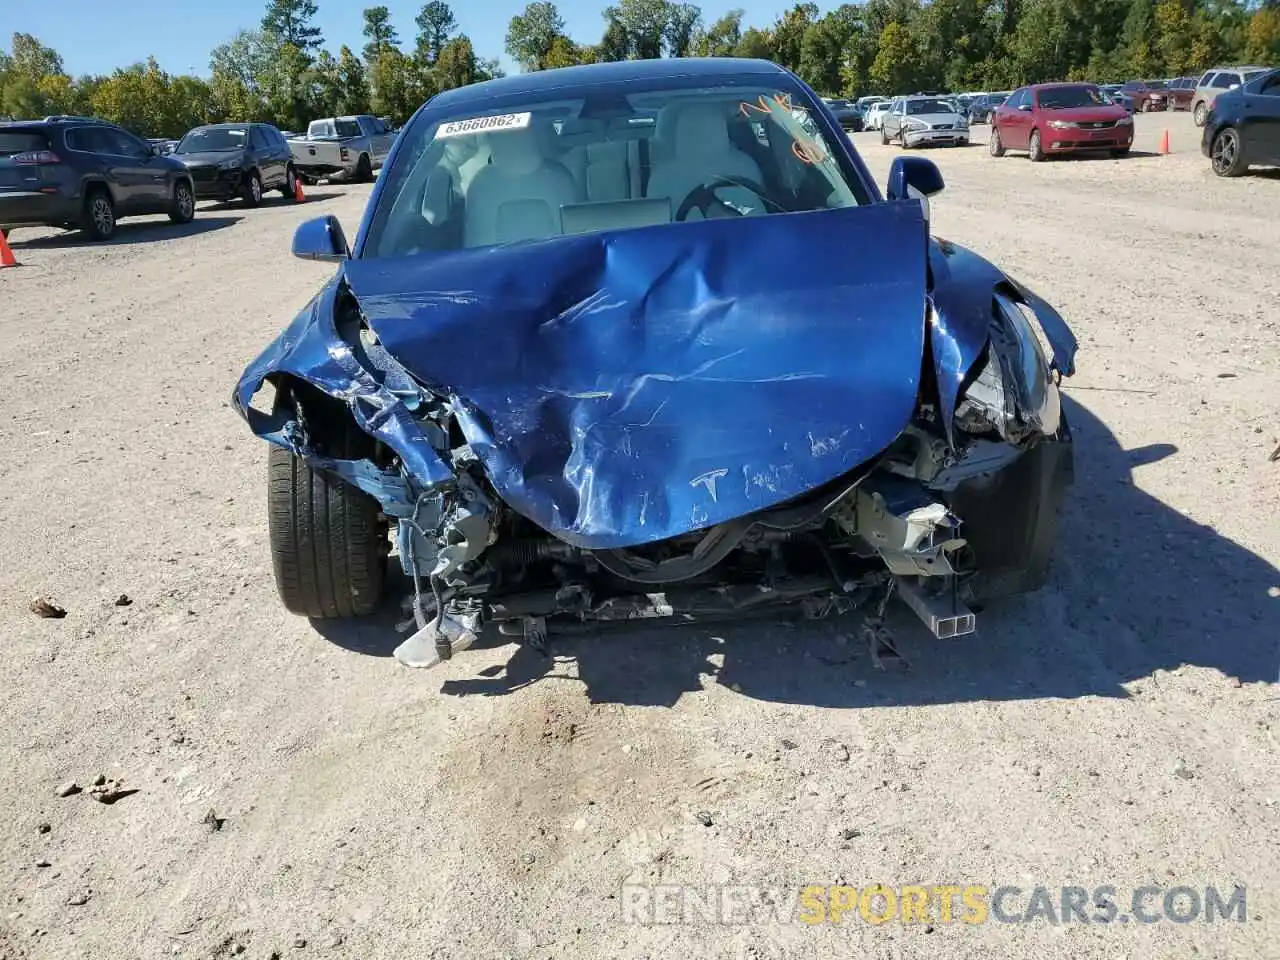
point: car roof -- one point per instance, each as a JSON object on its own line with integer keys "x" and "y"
{"x": 544, "y": 81}
{"x": 50, "y": 122}
{"x": 1059, "y": 84}
{"x": 1234, "y": 69}
{"x": 225, "y": 126}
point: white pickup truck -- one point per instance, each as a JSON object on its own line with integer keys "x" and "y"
{"x": 347, "y": 147}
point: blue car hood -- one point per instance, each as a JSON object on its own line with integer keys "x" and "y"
{"x": 622, "y": 388}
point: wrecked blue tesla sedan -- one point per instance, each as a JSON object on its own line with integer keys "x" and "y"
{"x": 645, "y": 340}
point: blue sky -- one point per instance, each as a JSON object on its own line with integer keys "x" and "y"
{"x": 95, "y": 37}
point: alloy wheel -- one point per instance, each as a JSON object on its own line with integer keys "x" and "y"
{"x": 1223, "y": 153}
{"x": 104, "y": 218}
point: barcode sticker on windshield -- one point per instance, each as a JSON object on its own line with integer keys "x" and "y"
{"x": 460, "y": 128}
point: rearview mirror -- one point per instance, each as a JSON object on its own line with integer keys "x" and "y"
{"x": 910, "y": 176}
{"x": 321, "y": 239}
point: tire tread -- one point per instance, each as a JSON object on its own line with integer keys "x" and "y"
{"x": 326, "y": 541}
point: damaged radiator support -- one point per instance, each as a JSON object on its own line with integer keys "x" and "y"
{"x": 918, "y": 540}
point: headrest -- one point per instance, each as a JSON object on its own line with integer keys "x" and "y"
{"x": 457, "y": 150}
{"x": 701, "y": 128}
{"x": 515, "y": 152}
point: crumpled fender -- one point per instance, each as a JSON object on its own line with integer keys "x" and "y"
{"x": 962, "y": 287}
{"x": 311, "y": 349}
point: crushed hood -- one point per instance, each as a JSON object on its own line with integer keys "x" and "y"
{"x": 623, "y": 388}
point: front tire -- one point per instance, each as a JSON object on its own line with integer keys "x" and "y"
{"x": 253, "y": 189}
{"x": 1225, "y": 154}
{"x": 884, "y": 137}
{"x": 183, "y": 208}
{"x": 994, "y": 146}
{"x": 99, "y": 215}
{"x": 290, "y": 189}
{"x": 1034, "y": 149}
{"x": 1200, "y": 114}
{"x": 328, "y": 543}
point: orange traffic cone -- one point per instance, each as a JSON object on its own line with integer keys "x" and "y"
{"x": 298, "y": 195}
{"x": 7, "y": 259}
{"x": 1164, "y": 142}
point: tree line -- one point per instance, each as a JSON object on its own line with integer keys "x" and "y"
{"x": 282, "y": 72}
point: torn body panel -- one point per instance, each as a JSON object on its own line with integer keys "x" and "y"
{"x": 963, "y": 291}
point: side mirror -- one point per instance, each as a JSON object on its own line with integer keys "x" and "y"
{"x": 321, "y": 239}
{"x": 1025, "y": 106}
{"x": 913, "y": 176}
{"x": 1234, "y": 86}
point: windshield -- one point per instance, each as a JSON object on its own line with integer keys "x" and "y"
{"x": 1157, "y": 85}
{"x": 639, "y": 156}
{"x": 1253, "y": 75}
{"x": 1065, "y": 98}
{"x": 213, "y": 140}
{"x": 929, "y": 106}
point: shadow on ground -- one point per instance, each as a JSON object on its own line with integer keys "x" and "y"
{"x": 1137, "y": 587}
{"x": 270, "y": 200}
{"x": 128, "y": 233}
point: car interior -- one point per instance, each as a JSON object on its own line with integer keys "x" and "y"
{"x": 582, "y": 168}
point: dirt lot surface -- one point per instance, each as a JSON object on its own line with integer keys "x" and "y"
{"x": 1120, "y": 727}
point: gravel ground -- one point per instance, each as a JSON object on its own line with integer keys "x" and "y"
{"x": 1120, "y": 727}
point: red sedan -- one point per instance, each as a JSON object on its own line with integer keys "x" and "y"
{"x": 1048, "y": 118}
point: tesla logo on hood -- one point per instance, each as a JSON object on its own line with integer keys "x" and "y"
{"x": 708, "y": 480}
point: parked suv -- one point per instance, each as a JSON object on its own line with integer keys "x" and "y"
{"x": 984, "y": 105}
{"x": 846, "y": 114}
{"x": 243, "y": 160}
{"x": 1147, "y": 95}
{"x": 81, "y": 172}
{"x": 1216, "y": 81}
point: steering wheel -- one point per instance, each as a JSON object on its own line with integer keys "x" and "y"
{"x": 702, "y": 197}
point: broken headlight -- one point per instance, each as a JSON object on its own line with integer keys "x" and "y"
{"x": 1011, "y": 392}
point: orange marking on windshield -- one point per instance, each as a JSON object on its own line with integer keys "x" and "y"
{"x": 804, "y": 148}
{"x": 765, "y": 104}
{"x": 808, "y": 152}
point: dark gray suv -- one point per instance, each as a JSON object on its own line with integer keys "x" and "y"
{"x": 81, "y": 172}
{"x": 244, "y": 160}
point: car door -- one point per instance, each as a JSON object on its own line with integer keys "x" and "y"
{"x": 1013, "y": 120}
{"x": 1223, "y": 81}
{"x": 379, "y": 141}
{"x": 143, "y": 181}
{"x": 895, "y": 118}
{"x": 384, "y": 140}
{"x": 263, "y": 156}
{"x": 281, "y": 145}
{"x": 1261, "y": 122}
